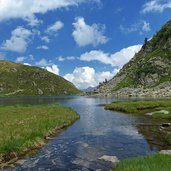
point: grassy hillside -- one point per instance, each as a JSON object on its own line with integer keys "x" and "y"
{"x": 149, "y": 69}
{"x": 151, "y": 66}
{"x": 19, "y": 80}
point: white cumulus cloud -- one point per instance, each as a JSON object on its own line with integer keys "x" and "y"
{"x": 55, "y": 27}
{"x": 20, "y": 59}
{"x": 53, "y": 69}
{"x": 117, "y": 59}
{"x": 69, "y": 58}
{"x": 60, "y": 58}
{"x": 33, "y": 21}
{"x": 27, "y": 9}
{"x": 45, "y": 39}
{"x": 156, "y": 6}
{"x": 43, "y": 62}
{"x": 84, "y": 77}
{"x": 85, "y": 34}
{"x": 44, "y": 47}
{"x": 18, "y": 41}
{"x": 140, "y": 26}
{"x": 27, "y": 64}
{"x": 146, "y": 26}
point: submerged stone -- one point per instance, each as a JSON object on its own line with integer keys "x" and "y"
{"x": 112, "y": 159}
{"x": 165, "y": 112}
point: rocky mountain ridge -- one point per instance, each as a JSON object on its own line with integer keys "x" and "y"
{"x": 148, "y": 73}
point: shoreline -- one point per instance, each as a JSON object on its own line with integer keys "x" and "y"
{"x": 11, "y": 158}
{"x": 128, "y": 96}
{"x": 158, "y": 110}
{"x": 61, "y": 116}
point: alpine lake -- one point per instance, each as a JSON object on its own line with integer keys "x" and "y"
{"x": 98, "y": 132}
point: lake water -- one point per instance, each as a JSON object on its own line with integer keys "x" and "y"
{"x": 97, "y": 133}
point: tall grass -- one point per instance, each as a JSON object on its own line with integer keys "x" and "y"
{"x": 143, "y": 107}
{"x": 157, "y": 162}
{"x": 21, "y": 127}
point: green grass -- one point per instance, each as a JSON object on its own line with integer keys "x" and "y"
{"x": 143, "y": 107}
{"x": 21, "y": 127}
{"x": 134, "y": 71}
{"x": 157, "y": 162}
{"x": 162, "y": 36}
{"x": 143, "y": 65}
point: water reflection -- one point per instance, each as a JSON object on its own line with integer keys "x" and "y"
{"x": 155, "y": 135}
{"x": 12, "y": 101}
{"x": 97, "y": 133}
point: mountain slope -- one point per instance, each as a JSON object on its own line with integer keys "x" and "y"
{"x": 19, "y": 80}
{"x": 148, "y": 73}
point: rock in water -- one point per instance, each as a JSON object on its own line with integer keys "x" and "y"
{"x": 168, "y": 152}
{"x": 165, "y": 112}
{"x": 112, "y": 159}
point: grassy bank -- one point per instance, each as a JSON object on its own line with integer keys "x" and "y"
{"x": 156, "y": 109}
{"x": 143, "y": 107}
{"x": 29, "y": 127}
{"x": 157, "y": 162}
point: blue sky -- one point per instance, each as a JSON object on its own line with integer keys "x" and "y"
{"x": 84, "y": 41}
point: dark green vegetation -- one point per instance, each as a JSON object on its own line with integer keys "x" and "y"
{"x": 149, "y": 68}
{"x": 19, "y": 80}
{"x": 143, "y": 107}
{"x": 157, "y": 162}
{"x": 23, "y": 128}
{"x": 168, "y": 137}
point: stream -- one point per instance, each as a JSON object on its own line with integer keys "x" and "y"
{"x": 98, "y": 132}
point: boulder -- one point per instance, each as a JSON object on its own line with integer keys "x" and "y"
{"x": 112, "y": 159}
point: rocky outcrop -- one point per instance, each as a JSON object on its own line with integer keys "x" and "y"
{"x": 167, "y": 152}
{"x": 148, "y": 73}
{"x": 162, "y": 90}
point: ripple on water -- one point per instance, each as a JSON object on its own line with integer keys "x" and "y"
{"x": 97, "y": 133}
